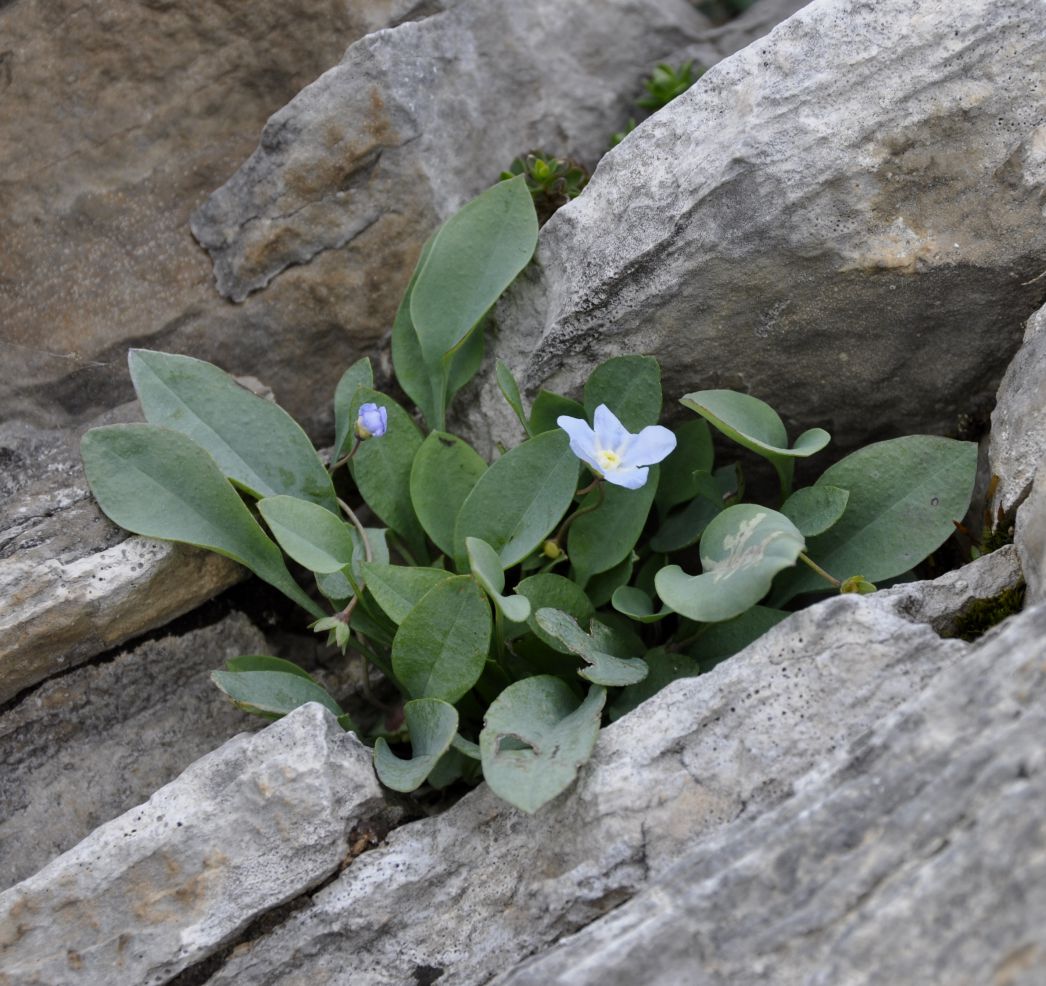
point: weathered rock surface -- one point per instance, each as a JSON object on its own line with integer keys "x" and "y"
{"x": 243, "y": 830}
{"x": 844, "y": 219}
{"x": 415, "y": 121}
{"x": 93, "y": 743}
{"x": 1018, "y": 435}
{"x": 72, "y": 584}
{"x": 120, "y": 118}
{"x": 486, "y": 885}
{"x": 1030, "y": 539}
{"x": 918, "y": 856}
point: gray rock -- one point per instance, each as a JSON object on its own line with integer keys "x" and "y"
{"x": 73, "y": 584}
{"x": 1030, "y": 539}
{"x": 89, "y": 745}
{"x": 917, "y": 856}
{"x": 245, "y": 829}
{"x": 720, "y": 42}
{"x": 415, "y": 121}
{"x": 127, "y": 116}
{"x": 843, "y": 219}
{"x": 1018, "y": 435}
{"x": 486, "y": 885}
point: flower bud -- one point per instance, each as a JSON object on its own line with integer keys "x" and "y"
{"x": 371, "y": 422}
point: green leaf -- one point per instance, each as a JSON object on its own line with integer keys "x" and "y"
{"x": 360, "y": 374}
{"x": 256, "y": 444}
{"x": 600, "y": 588}
{"x": 597, "y": 541}
{"x": 486, "y": 567}
{"x": 161, "y": 484}
{"x": 905, "y": 495}
{"x": 454, "y": 766}
{"x": 312, "y": 536}
{"x": 272, "y": 692}
{"x": 519, "y": 499}
{"x": 755, "y": 425}
{"x": 441, "y": 646}
{"x": 445, "y": 471}
{"x": 339, "y": 585}
{"x": 262, "y": 662}
{"x": 605, "y": 669}
{"x": 547, "y": 407}
{"x": 535, "y": 737}
{"x": 397, "y": 589}
{"x": 684, "y": 527}
{"x": 719, "y": 641}
{"x": 693, "y": 453}
{"x": 510, "y": 389}
{"x": 381, "y": 468}
{"x": 474, "y": 256}
{"x": 630, "y": 386}
{"x": 814, "y": 509}
{"x": 665, "y": 668}
{"x": 637, "y": 605}
{"x": 432, "y": 725}
{"x": 555, "y": 592}
{"x": 741, "y": 552}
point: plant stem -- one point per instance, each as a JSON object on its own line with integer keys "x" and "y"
{"x": 346, "y": 458}
{"x": 350, "y": 513}
{"x": 600, "y": 487}
{"x": 820, "y": 571}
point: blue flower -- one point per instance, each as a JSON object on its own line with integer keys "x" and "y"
{"x": 613, "y": 452}
{"x": 372, "y": 421}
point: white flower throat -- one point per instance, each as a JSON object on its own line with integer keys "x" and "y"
{"x": 608, "y": 460}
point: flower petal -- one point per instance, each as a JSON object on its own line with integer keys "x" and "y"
{"x": 630, "y": 477}
{"x": 649, "y": 447}
{"x": 582, "y": 439}
{"x": 610, "y": 433}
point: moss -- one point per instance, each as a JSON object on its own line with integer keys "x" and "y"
{"x": 982, "y": 614}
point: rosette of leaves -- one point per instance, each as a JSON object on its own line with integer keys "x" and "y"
{"x": 552, "y": 181}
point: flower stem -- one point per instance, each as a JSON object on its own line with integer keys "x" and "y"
{"x": 820, "y": 571}
{"x": 350, "y": 513}
{"x": 600, "y": 488}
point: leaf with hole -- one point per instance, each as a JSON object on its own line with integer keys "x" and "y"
{"x": 535, "y": 737}
{"x": 741, "y": 552}
{"x": 432, "y": 726}
{"x": 256, "y": 444}
{"x": 604, "y": 668}
{"x": 161, "y": 484}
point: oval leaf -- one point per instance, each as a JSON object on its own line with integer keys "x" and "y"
{"x": 630, "y": 386}
{"x": 360, "y": 374}
{"x": 637, "y": 605}
{"x": 486, "y": 568}
{"x": 445, "y": 471}
{"x": 814, "y": 509}
{"x": 441, "y": 646}
{"x": 432, "y": 726}
{"x": 311, "y": 535}
{"x": 256, "y": 444}
{"x": 510, "y": 390}
{"x": 161, "y": 484}
{"x": 693, "y": 454}
{"x": 741, "y": 552}
{"x": 476, "y": 254}
{"x": 272, "y": 692}
{"x": 519, "y": 499}
{"x": 535, "y": 737}
{"x": 547, "y": 407}
{"x": 905, "y": 496}
{"x": 397, "y": 589}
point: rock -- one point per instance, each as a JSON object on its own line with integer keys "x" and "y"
{"x": 89, "y": 745}
{"x": 1030, "y": 539}
{"x": 1018, "y": 435}
{"x": 843, "y": 219}
{"x": 917, "y": 856}
{"x": 412, "y": 124}
{"x": 245, "y": 829}
{"x": 73, "y": 584}
{"x": 701, "y": 754}
{"x": 127, "y": 115}
{"x": 718, "y": 43}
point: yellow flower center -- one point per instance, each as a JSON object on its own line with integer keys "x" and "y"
{"x": 608, "y": 461}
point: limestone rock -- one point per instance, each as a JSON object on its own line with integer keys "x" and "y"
{"x": 119, "y": 119}
{"x": 73, "y": 584}
{"x": 1030, "y": 539}
{"x": 245, "y": 829}
{"x": 416, "y": 121}
{"x": 918, "y": 857}
{"x": 843, "y": 219}
{"x": 85, "y": 747}
{"x": 1018, "y": 435}
{"x": 486, "y": 886}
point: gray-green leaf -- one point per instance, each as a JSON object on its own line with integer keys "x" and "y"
{"x": 535, "y": 737}
{"x": 160, "y": 483}
{"x": 486, "y": 568}
{"x": 604, "y": 668}
{"x": 312, "y": 536}
{"x": 397, "y": 589}
{"x": 360, "y": 374}
{"x": 272, "y": 692}
{"x": 432, "y": 725}
{"x": 256, "y": 444}
{"x": 445, "y": 471}
{"x": 630, "y": 386}
{"x": 814, "y": 509}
